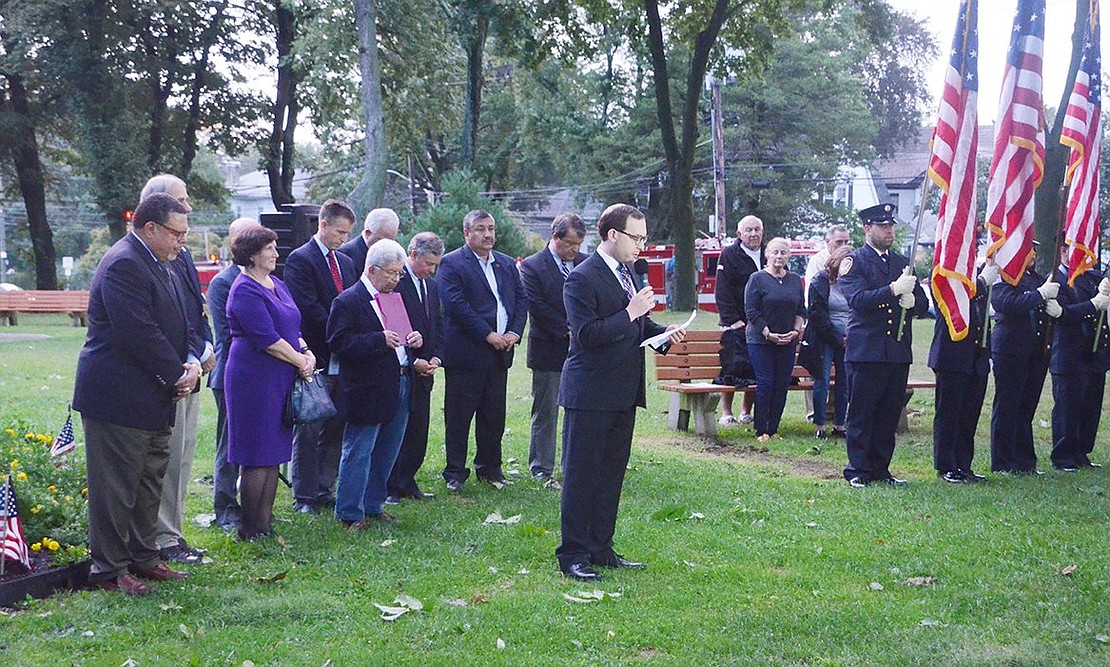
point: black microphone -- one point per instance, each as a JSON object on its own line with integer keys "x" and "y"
{"x": 640, "y": 266}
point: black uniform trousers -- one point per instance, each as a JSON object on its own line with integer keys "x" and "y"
{"x": 402, "y": 481}
{"x": 959, "y": 401}
{"x": 1088, "y": 428}
{"x": 596, "y": 446}
{"x": 476, "y": 395}
{"x": 1018, "y": 381}
{"x": 877, "y": 392}
{"x": 1077, "y": 404}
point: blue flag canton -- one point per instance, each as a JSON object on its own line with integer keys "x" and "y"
{"x": 1028, "y": 22}
{"x": 965, "y": 45}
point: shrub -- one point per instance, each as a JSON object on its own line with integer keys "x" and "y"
{"x": 52, "y": 501}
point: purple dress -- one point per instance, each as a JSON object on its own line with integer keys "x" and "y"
{"x": 256, "y": 383}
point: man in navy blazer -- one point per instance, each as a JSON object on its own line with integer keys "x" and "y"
{"x": 420, "y": 293}
{"x": 315, "y": 274}
{"x": 543, "y": 275}
{"x": 381, "y": 223}
{"x": 484, "y": 315}
{"x": 225, "y": 475}
{"x": 133, "y": 369}
{"x": 602, "y": 385}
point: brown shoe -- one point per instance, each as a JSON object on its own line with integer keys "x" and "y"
{"x": 124, "y": 583}
{"x": 162, "y": 573}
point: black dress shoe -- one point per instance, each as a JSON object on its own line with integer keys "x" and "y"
{"x": 392, "y": 500}
{"x": 893, "y": 481}
{"x": 1067, "y": 467}
{"x": 454, "y": 485}
{"x": 857, "y": 482}
{"x": 618, "y": 561}
{"x": 953, "y": 476}
{"x": 581, "y": 572}
{"x": 305, "y": 508}
{"x": 973, "y": 477}
{"x": 420, "y": 495}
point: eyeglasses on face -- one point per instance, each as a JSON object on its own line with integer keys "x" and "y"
{"x": 392, "y": 273}
{"x": 179, "y": 235}
{"x": 636, "y": 238}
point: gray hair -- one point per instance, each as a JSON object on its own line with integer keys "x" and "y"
{"x": 160, "y": 183}
{"x": 385, "y": 251}
{"x": 381, "y": 217}
{"x": 567, "y": 222}
{"x": 426, "y": 243}
{"x": 835, "y": 229}
{"x": 473, "y": 217}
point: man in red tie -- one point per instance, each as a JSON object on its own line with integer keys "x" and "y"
{"x": 315, "y": 274}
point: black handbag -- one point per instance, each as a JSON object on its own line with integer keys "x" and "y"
{"x": 308, "y": 402}
{"x": 811, "y": 356}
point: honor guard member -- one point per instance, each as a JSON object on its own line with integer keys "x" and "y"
{"x": 1078, "y": 368}
{"x": 961, "y": 368}
{"x": 1019, "y": 358}
{"x": 880, "y": 292}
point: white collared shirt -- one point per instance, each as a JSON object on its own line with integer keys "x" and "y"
{"x": 613, "y": 265}
{"x": 487, "y": 269}
{"x": 402, "y": 353}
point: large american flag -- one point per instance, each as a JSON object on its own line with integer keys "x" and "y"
{"x": 1082, "y": 132}
{"x": 14, "y": 545}
{"x": 1018, "y": 164}
{"x": 952, "y": 168}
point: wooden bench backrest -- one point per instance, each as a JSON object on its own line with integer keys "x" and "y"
{"x": 698, "y": 359}
{"x": 44, "y": 301}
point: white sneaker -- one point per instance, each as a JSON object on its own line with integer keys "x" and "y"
{"x": 728, "y": 420}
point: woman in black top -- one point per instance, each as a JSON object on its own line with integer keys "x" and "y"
{"x": 828, "y": 325}
{"x": 775, "y": 307}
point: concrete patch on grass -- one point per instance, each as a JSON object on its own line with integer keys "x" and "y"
{"x": 20, "y": 337}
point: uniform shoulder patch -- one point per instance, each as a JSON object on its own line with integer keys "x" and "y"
{"x": 846, "y": 265}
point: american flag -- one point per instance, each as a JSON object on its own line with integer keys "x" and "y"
{"x": 63, "y": 444}
{"x": 1018, "y": 164}
{"x": 952, "y": 168}
{"x": 1082, "y": 132}
{"x": 11, "y": 532}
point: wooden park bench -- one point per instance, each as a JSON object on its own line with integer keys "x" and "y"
{"x": 689, "y": 368}
{"x": 75, "y": 303}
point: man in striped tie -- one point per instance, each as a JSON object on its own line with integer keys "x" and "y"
{"x": 543, "y": 275}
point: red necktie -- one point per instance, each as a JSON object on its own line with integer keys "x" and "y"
{"x": 335, "y": 277}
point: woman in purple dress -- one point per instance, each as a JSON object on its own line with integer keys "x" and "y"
{"x": 266, "y": 354}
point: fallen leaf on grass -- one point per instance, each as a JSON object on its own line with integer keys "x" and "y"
{"x": 1069, "y": 570}
{"x": 204, "y": 520}
{"x": 500, "y": 644}
{"x": 169, "y": 607}
{"x": 478, "y": 599}
{"x": 274, "y": 579}
{"x": 672, "y": 513}
{"x": 610, "y": 634}
{"x": 577, "y": 644}
{"x": 586, "y": 597}
{"x": 876, "y": 586}
{"x": 524, "y": 571}
{"x": 129, "y": 663}
{"x": 811, "y": 524}
{"x": 920, "y": 581}
{"x": 932, "y": 623}
{"x": 697, "y": 515}
{"x": 457, "y": 602}
{"x": 389, "y": 543}
{"x": 688, "y": 563}
{"x": 185, "y": 631}
{"x": 497, "y": 518}
{"x": 403, "y": 604}
{"x": 1105, "y": 639}
{"x": 1093, "y": 490}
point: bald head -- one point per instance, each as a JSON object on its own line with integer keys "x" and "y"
{"x": 238, "y": 225}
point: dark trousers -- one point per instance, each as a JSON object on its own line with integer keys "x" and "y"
{"x": 225, "y": 475}
{"x": 773, "y": 366}
{"x": 1088, "y": 428}
{"x": 125, "y": 470}
{"x": 402, "y": 481}
{"x": 317, "y": 449}
{"x": 959, "y": 401}
{"x": 476, "y": 395}
{"x": 596, "y": 447}
{"x": 877, "y": 392}
{"x": 1018, "y": 382}
{"x": 1077, "y": 403}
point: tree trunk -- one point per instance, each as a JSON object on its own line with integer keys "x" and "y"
{"x": 370, "y": 190}
{"x": 200, "y": 73}
{"x": 1047, "y": 216}
{"x": 474, "y": 44}
{"x": 28, "y": 169}
{"x": 279, "y": 148}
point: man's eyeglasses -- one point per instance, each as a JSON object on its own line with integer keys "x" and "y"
{"x": 392, "y": 273}
{"x": 636, "y": 238}
{"x": 179, "y": 235}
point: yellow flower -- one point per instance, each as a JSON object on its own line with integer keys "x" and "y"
{"x": 10, "y": 432}
{"x": 29, "y": 436}
{"x": 21, "y": 476}
{"x": 69, "y": 499}
{"x": 36, "y": 509}
{"x": 14, "y": 465}
{"x": 52, "y": 545}
{"x": 52, "y": 488}
{"x": 85, "y": 492}
{"x": 36, "y": 547}
{"x": 45, "y": 439}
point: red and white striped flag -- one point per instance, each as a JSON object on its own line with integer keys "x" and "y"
{"x": 1018, "y": 164}
{"x": 13, "y": 546}
{"x": 1082, "y": 132}
{"x": 952, "y": 168}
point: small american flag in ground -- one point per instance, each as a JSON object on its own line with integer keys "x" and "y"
{"x": 11, "y": 532}
{"x": 952, "y": 168}
{"x": 1082, "y": 132}
{"x": 1018, "y": 164}
{"x": 63, "y": 444}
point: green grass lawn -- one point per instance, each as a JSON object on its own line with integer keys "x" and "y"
{"x": 781, "y": 563}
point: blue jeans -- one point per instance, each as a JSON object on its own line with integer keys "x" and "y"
{"x": 773, "y": 364}
{"x": 833, "y": 355}
{"x": 369, "y": 452}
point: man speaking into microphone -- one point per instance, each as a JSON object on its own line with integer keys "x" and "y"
{"x": 602, "y": 384}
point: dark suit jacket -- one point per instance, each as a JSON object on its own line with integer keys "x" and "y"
{"x": 218, "y": 290}
{"x": 734, "y": 267}
{"x": 1020, "y": 321}
{"x": 604, "y": 369}
{"x": 1074, "y": 332}
{"x": 137, "y": 341}
{"x": 369, "y": 373}
{"x": 873, "y": 322}
{"x": 548, "y": 335}
{"x": 967, "y": 355}
{"x": 309, "y": 281}
{"x": 470, "y": 309}
{"x": 428, "y": 326}
{"x": 356, "y": 249}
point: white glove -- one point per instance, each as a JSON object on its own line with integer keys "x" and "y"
{"x": 989, "y": 272}
{"x": 1049, "y": 290}
{"x": 907, "y": 301}
{"x": 1053, "y": 308}
{"x": 904, "y": 284}
{"x": 1100, "y": 301}
{"x": 1104, "y": 286}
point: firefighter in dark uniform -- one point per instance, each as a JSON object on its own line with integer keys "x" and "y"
{"x": 880, "y": 291}
{"x": 1078, "y": 369}
{"x": 961, "y": 368}
{"x": 1019, "y": 358}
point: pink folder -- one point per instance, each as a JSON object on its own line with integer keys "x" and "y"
{"x": 395, "y": 317}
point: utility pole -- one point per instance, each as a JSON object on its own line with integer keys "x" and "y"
{"x": 721, "y": 226}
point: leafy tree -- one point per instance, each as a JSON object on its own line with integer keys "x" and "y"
{"x": 463, "y": 194}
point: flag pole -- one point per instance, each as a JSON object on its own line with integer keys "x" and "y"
{"x": 910, "y": 268}
{"x": 1050, "y": 326}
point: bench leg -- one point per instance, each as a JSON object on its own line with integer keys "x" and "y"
{"x": 9, "y": 317}
{"x": 678, "y": 417}
{"x": 703, "y": 408}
